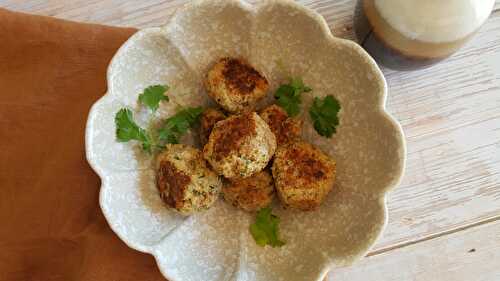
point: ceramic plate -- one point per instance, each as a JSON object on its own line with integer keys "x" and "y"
{"x": 280, "y": 39}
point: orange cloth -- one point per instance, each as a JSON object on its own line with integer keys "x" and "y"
{"x": 51, "y": 227}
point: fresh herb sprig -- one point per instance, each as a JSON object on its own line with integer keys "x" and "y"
{"x": 127, "y": 129}
{"x": 176, "y": 126}
{"x": 265, "y": 230}
{"x": 152, "y": 96}
{"x": 288, "y": 96}
{"x": 324, "y": 114}
{"x": 152, "y": 139}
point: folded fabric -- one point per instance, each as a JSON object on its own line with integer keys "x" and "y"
{"x": 51, "y": 72}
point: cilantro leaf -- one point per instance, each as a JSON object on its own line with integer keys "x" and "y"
{"x": 152, "y": 96}
{"x": 177, "y": 125}
{"x": 286, "y": 99}
{"x": 127, "y": 129}
{"x": 288, "y": 95}
{"x": 265, "y": 230}
{"x": 324, "y": 114}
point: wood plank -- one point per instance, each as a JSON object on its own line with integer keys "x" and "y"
{"x": 450, "y": 114}
{"x": 473, "y": 254}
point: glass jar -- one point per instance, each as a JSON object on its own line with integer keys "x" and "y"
{"x": 412, "y": 34}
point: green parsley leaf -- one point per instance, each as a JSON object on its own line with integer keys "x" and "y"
{"x": 265, "y": 230}
{"x": 152, "y": 96}
{"x": 177, "y": 125}
{"x": 127, "y": 129}
{"x": 324, "y": 114}
{"x": 288, "y": 96}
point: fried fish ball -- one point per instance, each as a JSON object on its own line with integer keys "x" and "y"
{"x": 303, "y": 175}
{"x": 240, "y": 146}
{"x": 235, "y": 85}
{"x": 285, "y": 129}
{"x": 208, "y": 119}
{"x": 184, "y": 181}
{"x": 250, "y": 194}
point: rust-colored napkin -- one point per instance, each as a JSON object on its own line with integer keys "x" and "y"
{"x": 51, "y": 227}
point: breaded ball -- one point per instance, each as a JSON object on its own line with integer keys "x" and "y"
{"x": 250, "y": 194}
{"x": 208, "y": 119}
{"x": 303, "y": 175}
{"x": 240, "y": 146}
{"x": 235, "y": 85}
{"x": 285, "y": 129}
{"x": 184, "y": 181}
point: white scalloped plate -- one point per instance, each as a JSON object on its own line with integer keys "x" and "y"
{"x": 216, "y": 245}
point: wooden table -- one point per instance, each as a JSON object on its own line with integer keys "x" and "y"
{"x": 444, "y": 217}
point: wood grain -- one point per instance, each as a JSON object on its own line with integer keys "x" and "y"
{"x": 451, "y": 117}
{"x": 450, "y": 114}
{"x": 472, "y": 254}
